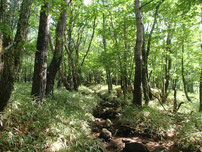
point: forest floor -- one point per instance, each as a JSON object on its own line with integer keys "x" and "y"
{"x": 106, "y": 115}
{"x": 91, "y": 120}
{"x": 116, "y": 134}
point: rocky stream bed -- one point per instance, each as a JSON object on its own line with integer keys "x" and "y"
{"x": 118, "y": 137}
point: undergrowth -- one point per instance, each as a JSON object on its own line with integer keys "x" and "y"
{"x": 146, "y": 119}
{"x": 59, "y": 124}
{"x": 185, "y": 126}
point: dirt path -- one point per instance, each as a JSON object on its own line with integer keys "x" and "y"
{"x": 119, "y": 137}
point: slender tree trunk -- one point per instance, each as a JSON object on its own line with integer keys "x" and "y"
{"x": 3, "y": 4}
{"x": 90, "y": 43}
{"x": 137, "y": 94}
{"x": 167, "y": 67}
{"x": 74, "y": 75}
{"x": 30, "y": 77}
{"x": 69, "y": 42}
{"x": 144, "y": 72}
{"x": 12, "y": 57}
{"x": 200, "y": 93}
{"x": 57, "y": 56}
{"x": 109, "y": 81}
{"x": 175, "y": 95}
{"x": 25, "y": 75}
{"x": 62, "y": 75}
{"x": 1, "y": 55}
{"x": 200, "y": 89}
{"x": 183, "y": 77}
{"x": 40, "y": 67}
{"x": 125, "y": 56}
{"x": 122, "y": 62}
{"x": 64, "y": 80}
{"x": 145, "y": 53}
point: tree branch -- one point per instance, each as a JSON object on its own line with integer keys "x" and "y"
{"x": 89, "y": 46}
{"x": 146, "y": 4}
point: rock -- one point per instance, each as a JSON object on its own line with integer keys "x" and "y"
{"x": 108, "y": 122}
{"x": 116, "y": 145}
{"x": 125, "y": 131}
{"x": 135, "y": 147}
{"x": 108, "y": 113}
{"x": 105, "y": 134}
{"x": 160, "y": 149}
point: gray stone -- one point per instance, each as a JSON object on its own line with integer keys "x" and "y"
{"x": 105, "y": 134}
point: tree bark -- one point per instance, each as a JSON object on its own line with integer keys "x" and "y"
{"x": 62, "y": 75}
{"x": 89, "y": 46}
{"x": 1, "y": 54}
{"x": 175, "y": 95}
{"x": 108, "y": 73}
{"x": 125, "y": 56}
{"x": 40, "y": 67}
{"x": 122, "y": 62}
{"x": 144, "y": 71}
{"x": 200, "y": 93}
{"x": 183, "y": 77}
{"x": 57, "y": 56}
{"x": 145, "y": 55}
{"x": 73, "y": 68}
{"x": 137, "y": 94}
{"x": 12, "y": 57}
{"x": 3, "y": 4}
{"x": 167, "y": 67}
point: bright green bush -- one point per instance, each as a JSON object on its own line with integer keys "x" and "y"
{"x": 152, "y": 120}
{"x": 190, "y": 135}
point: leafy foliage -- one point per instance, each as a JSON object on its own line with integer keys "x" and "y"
{"x": 56, "y": 124}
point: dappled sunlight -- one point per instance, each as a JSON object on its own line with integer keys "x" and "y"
{"x": 54, "y": 125}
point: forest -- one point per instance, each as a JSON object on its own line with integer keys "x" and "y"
{"x": 100, "y": 76}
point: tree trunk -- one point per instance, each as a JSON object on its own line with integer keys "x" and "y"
{"x": 25, "y": 74}
{"x": 167, "y": 67}
{"x": 62, "y": 75}
{"x": 108, "y": 73}
{"x": 1, "y": 55}
{"x": 145, "y": 55}
{"x": 144, "y": 72}
{"x": 137, "y": 94}
{"x": 12, "y": 57}
{"x": 90, "y": 43}
{"x": 122, "y": 63}
{"x": 74, "y": 75}
{"x": 30, "y": 77}
{"x": 125, "y": 56}
{"x": 57, "y": 56}
{"x": 200, "y": 93}
{"x": 3, "y": 4}
{"x": 175, "y": 95}
{"x": 40, "y": 67}
{"x": 183, "y": 77}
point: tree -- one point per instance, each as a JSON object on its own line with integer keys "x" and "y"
{"x": 12, "y": 57}
{"x": 108, "y": 73}
{"x": 57, "y": 55}
{"x": 145, "y": 56}
{"x": 183, "y": 77}
{"x": 40, "y": 67}
{"x": 137, "y": 94}
{"x": 200, "y": 93}
{"x": 167, "y": 67}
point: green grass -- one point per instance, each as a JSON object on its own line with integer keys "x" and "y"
{"x": 59, "y": 124}
{"x": 62, "y": 123}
